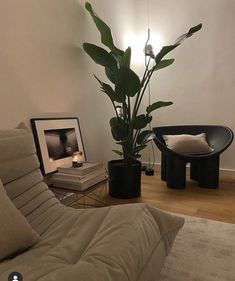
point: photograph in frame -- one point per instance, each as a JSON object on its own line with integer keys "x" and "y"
{"x": 56, "y": 140}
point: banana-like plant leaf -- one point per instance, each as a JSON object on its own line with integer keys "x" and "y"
{"x": 117, "y": 57}
{"x": 104, "y": 29}
{"x": 163, "y": 64}
{"x": 110, "y": 74}
{"x": 157, "y": 105}
{"x": 141, "y": 121}
{"x": 195, "y": 28}
{"x": 107, "y": 89}
{"x": 166, "y": 49}
{"x": 126, "y": 59}
{"x": 100, "y": 56}
{"x": 192, "y": 30}
{"x": 144, "y": 136}
{"x": 119, "y": 128}
{"x": 118, "y": 152}
{"x": 127, "y": 82}
{"x": 139, "y": 148}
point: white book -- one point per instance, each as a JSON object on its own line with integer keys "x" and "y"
{"x": 75, "y": 185}
{"x": 68, "y": 177}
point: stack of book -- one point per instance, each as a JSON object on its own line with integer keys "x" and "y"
{"x": 79, "y": 178}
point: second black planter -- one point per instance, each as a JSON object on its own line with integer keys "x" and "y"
{"x": 124, "y": 181}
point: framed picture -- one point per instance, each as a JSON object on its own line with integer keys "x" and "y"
{"x": 56, "y": 140}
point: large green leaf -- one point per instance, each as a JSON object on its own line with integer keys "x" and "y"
{"x": 157, "y": 105}
{"x": 104, "y": 29}
{"x": 110, "y": 74}
{"x": 100, "y": 56}
{"x": 126, "y": 59}
{"x": 166, "y": 49}
{"x": 141, "y": 121}
{"x": 107, "y": 89}
{"x": 127, "y": 82}
{"x": 119, "y": 128}
{"x": 139, "y": 148}
{"x": 143, "y": 137}
{"x": 117, "y": 57}
{"x": 191, "y": 31}
{"x": 163, "y": 64}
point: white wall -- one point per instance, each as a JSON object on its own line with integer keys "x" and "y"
{"x": 39, "y": 56}
{"x": 45, "y": 72}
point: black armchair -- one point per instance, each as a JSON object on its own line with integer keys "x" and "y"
{"x": 204, "y": 168}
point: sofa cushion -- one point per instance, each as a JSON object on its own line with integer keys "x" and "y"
{"x": 22, "y": 178}
{"x": 188, "y": 144}
{"x": 16, "y": 234}
{"x": 112, "y": 243}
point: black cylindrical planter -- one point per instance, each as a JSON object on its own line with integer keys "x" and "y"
{"x": 124, "y": 181}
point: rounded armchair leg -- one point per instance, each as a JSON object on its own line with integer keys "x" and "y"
{"x": 163, "y": 167}
{"x": 195, "y": 171}
{"x": 176, "y": 172}
{"x": 209, "y": 172}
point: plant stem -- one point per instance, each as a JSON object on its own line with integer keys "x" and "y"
{"x": 136, "y": 132}
{"x": 135, "y": 137}
{"x": 142, "y": 84}
{"x": 143, "y": 91}
{"x": 129, "y": 109}
{"x": 124, "y": 106}
{"x": 115, "y": 109}
{"x": 130, "y": 129}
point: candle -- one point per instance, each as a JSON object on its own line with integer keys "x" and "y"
{"x": 77, "y": 159}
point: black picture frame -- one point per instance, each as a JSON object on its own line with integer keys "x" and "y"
{"x": 56, "y": 139}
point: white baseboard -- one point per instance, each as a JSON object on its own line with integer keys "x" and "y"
{"x": 227, "y": 173}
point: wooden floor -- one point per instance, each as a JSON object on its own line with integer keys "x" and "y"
{"x": 216, "y": 204}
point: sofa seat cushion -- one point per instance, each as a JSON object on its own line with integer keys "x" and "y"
{"x": 113, "y": 243}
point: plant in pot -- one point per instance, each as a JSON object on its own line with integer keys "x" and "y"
{"x": 126, "y": 91}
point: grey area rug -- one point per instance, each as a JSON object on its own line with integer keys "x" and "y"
{"x": 204, "y": 250}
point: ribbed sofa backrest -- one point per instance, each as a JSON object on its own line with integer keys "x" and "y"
{"x": 22, "y": 178}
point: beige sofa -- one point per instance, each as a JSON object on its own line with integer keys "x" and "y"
{"x": 127, "y": 242}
